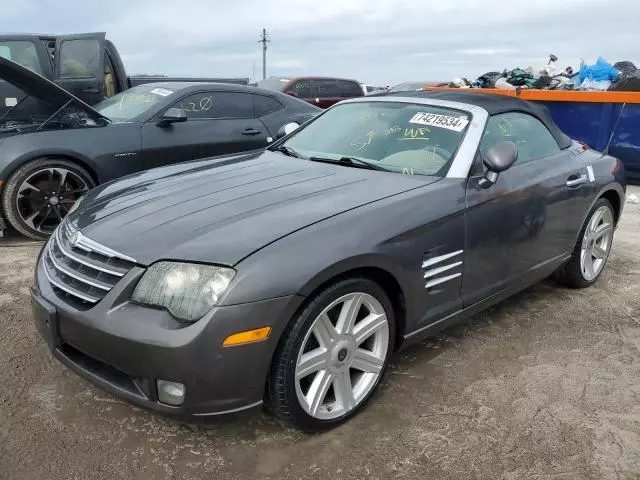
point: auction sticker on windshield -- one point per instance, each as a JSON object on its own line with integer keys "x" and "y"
{"x": 456, "y": 124}
{"x": 162, "y": 91}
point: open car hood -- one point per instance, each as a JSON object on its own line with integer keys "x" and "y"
{"x": 40, "y": 88}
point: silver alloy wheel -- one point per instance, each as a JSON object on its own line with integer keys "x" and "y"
{"x": 596, "y": 243}
{"x": 45, "y": 197}
{"x": 342, "y": 356}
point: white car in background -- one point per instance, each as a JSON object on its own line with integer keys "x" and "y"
{"x": 369, "y": 89}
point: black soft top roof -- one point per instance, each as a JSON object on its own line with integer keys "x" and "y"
{"x": 495, "y": 104}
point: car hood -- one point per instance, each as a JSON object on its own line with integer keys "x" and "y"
{"x": 222, "y": 210}
{"x": 39, "y": 87}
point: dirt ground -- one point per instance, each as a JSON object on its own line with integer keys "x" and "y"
{"x": 544, "y": 386}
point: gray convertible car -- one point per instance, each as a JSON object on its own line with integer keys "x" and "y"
{"x": 287, "y": 278}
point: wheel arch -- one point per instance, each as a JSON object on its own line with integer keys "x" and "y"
{"x": 616, "y": 200}
{"x": 75, "y": 157}
{"x": 372, "y": 268}
{"x": 614, "y": 193}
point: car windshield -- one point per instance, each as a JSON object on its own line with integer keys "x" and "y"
{"x": 133, "y": 102}
{"x": 407, "y": 138}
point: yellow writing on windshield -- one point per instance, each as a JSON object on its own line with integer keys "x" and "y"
{"x": 361, "y": 143}
{"x": 137, "y": 98}
{"x": 415, "y": 134}
{"x": 371, "y": 115}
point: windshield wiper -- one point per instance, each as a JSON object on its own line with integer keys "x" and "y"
{"x": 287, "y": 151}
{"x": 350, "y": 162}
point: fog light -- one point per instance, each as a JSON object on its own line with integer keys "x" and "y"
{"x": 171, "y": 393}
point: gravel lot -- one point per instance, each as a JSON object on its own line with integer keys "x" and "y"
{"x": 544, "y": 386}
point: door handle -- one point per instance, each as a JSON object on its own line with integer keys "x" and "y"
{"x": 574, "y": 182}
{"x": 251, "y": 131}
{"x": 91, "y": 90}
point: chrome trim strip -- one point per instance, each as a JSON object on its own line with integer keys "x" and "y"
{"x": 69, "y": 290}
{"x": 461, "y": 164}
{"x": 438, "y": 281}
{"x": 86, "y": 243}
{"x": 466, "y": 154}
{"x": 435, "y": 271}
{"x": 84, "y": 262}
{"x": 234, "y": 410}
{"x": 441, "y": 258}
{"x": 72, "y": 274}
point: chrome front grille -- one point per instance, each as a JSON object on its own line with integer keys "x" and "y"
{"x": 80, "y": 270}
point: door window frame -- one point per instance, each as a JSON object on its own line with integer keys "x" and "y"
{"x": 92, "y": 75}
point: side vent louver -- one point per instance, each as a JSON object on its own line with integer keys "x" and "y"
{"x": 443, "y": 268}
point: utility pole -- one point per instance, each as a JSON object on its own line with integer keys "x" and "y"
{"x": 264, "y": 40}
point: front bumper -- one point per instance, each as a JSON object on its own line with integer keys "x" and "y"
{"x": 124, "y": 348}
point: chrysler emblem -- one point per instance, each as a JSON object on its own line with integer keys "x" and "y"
{"x": 74, "y": 238}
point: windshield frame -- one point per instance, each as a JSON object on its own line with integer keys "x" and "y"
{"x": 463, "y": 157}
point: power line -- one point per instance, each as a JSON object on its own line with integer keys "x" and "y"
{"x": 264, "y": 39}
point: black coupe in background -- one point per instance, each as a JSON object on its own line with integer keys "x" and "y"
{"x": 50, "y": 158}
{"x": 289, "y": 276}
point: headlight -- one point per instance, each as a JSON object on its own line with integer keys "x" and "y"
{"x": 186, "y": 290}
{"x": 77, "y": 204}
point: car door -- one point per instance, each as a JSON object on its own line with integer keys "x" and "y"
{"x": 525, "y": 223}
{"x": 79, "y": 65}
{"x": 218, "y": 123}
{"x": 264, "y": 106}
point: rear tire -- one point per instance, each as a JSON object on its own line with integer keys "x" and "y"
{"x": 39, "y": 194}
{"x": 592, "y": 249}
{"x": 332, "y": 356}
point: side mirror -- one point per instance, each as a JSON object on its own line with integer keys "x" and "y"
{"x": 287, "y": 129}
{"x": 291, "y": 93}
{"x": 173, "y": 115}
{"x": 499, "y": 158}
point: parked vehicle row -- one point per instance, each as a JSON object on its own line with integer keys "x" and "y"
{"x": 87, "y": 65}
{"x": 288, "y": 276}
{"x": 49, "y": 159}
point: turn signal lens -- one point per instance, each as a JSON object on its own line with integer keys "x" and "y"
{"x": 249, "y": 336}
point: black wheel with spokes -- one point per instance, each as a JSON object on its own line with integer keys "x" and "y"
{"x": 39, "y": 195}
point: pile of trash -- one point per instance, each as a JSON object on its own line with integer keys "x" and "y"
{"x": 601, "y": 76}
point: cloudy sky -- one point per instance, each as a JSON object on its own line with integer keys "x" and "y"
{"x": 375, "y": 41}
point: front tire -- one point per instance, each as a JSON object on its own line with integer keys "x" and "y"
{"x": 39, "y": 194}
{"x": 592, "y": 249}
{"x": 332, "y": 356}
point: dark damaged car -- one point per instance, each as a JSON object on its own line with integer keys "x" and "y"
{"x": 287, "y": 278}
{"x": 54, "y": 147}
